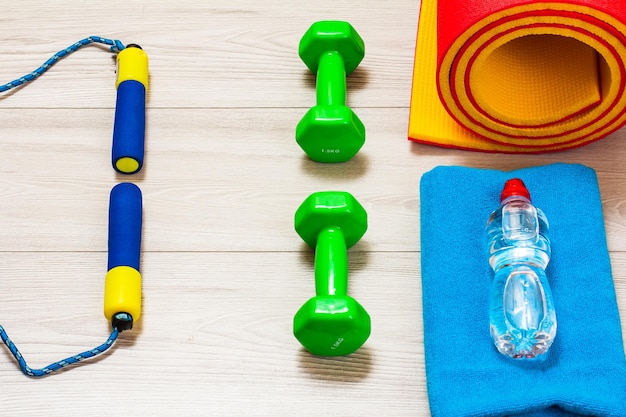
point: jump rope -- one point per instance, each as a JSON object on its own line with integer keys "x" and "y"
{"x": 122, "y": 290}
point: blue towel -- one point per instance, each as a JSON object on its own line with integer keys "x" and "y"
{"x": 584, "y": 372}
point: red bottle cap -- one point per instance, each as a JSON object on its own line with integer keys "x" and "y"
{"x": 513, "y": 187}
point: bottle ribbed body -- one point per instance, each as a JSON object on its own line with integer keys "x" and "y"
{"x": 522, "y": 315}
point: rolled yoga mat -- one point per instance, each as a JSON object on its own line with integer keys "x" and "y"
{"x": 518, "y": 76}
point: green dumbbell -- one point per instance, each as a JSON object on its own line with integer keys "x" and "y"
{"x": 331, "y": 131}
{"x": 331, "y": 323}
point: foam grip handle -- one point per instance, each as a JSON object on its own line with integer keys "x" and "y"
{"x": 125, "y": 225}
{"x": 130, "y": 110}
{"x": 129, "y": 127}
{"x": 122, "y": 292}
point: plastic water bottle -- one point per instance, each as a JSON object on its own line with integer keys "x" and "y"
{"x": 522, "y": 316}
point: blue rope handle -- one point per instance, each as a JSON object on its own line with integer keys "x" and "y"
{"x": 116, "y": 46}
{"x": 55, "y": 366}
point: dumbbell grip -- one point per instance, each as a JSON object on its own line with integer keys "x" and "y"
{"x": 331, "y": 263}
{"x": 331, "y": 80}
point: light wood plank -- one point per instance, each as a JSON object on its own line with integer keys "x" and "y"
{"x": 204, "y": 55}
{"x": 232, "y": 179}
{"x": 215, "y": 337}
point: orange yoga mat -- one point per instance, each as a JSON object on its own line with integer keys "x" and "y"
{"x": 518, "y": 76}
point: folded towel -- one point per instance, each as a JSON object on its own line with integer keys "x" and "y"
{"x": 584, "y": 372}
{"x": 518, "y": 76}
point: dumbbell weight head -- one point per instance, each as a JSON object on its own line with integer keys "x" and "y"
{"x": 326, "y": 209}
{"x": 331, "y": 35}
{"x": 332, "y": 326}
{"x": 331, "y": 131}
{"x": 331, "y": 323}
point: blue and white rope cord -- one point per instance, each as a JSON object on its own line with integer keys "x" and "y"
{"x": 116, "y": 46}
{"x": 55, "y": 366}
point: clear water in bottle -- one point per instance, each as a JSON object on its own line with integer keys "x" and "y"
{"x": 522, "y": 316}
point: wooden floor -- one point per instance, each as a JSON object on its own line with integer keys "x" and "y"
{"x": 224, "y": 272}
